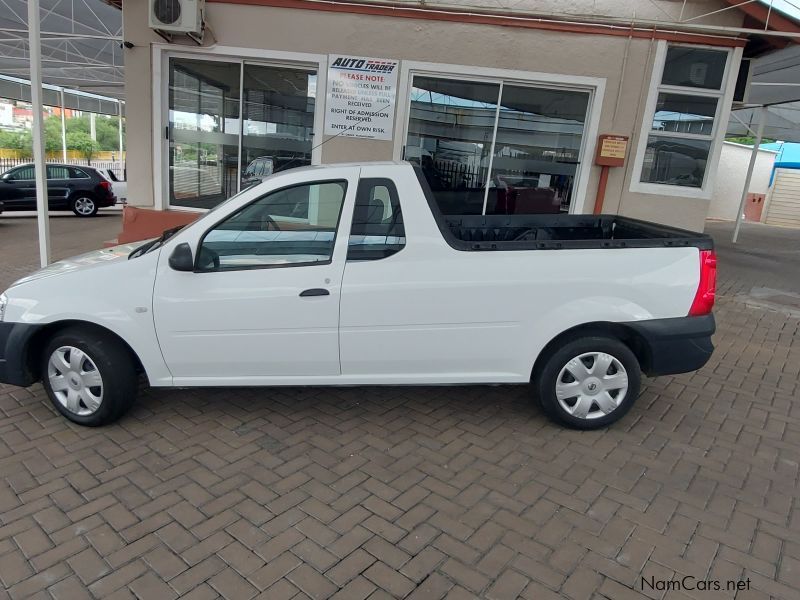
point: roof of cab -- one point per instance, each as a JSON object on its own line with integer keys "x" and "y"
{"x": 377, "y": 163}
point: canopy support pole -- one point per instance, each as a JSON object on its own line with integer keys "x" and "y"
{"x": 63, "y": 129}
{"x": 119, "y": 131}
{"x": 42, "y": 208}
{"x": 762, "y": 118}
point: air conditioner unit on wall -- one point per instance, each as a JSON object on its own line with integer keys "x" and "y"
{"x": 177, "y": 16}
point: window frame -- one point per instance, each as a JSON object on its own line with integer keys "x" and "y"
{"x": 581, "y": 202}
{"x": 394, "y": 198}
{"x": 723, "y": 95}
{"x": 343, "y": 182}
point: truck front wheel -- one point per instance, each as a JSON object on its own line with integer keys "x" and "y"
{"x": 589, "y": 383}
{"x": 89, "y": 376}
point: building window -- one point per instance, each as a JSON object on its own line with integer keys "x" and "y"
{"x": 496, "y": 147}
{"x": 684, "y": 118}
{"x": 231, "y": 123}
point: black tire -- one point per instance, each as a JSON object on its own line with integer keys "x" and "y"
{"x": 109, "y": 357}
{"x": 83, "y": 205}
{"x": 547, "y": 377}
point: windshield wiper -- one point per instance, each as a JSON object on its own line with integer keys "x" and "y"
{"x": 153, "y": 244}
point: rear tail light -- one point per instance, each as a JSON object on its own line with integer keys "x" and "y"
{"x": 106, "y": 185}
{"x": 707, "y": 288}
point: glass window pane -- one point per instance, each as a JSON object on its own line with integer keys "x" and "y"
{"x": 675, "y": 161}
{"x": 277, "y": 120}
{"x": 377, "y": 230}
{"x": 54, "y": 172}
{"x": 450, "y": 132}
{"x": 293, "y": 226}
{"x": 694, "y": 67}
{"x": 537, "y": 151}
{"x": 23, "y": 174}
{"x": 203, "y": 132}
{"x": 685, "y": 114}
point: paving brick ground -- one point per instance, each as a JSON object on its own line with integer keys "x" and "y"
{"x": 417, "y": 492}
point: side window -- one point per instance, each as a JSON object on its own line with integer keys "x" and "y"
{"x": 77, "y": 173}
{"x": 23, "y": 174}
{"x": 377, "y": 231}
{"x": 289, "y": 227}
{"x": 54, "y": 172}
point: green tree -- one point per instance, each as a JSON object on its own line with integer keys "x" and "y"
{"x": 21, "y": 141}
{"x": 748, "y": 140}
{"x": 105, "y": 128}
{"x": 52, "y": 134}
{"x": 83, "y": 143}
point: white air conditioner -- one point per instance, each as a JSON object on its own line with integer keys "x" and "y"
{"x": 177, "y": 16}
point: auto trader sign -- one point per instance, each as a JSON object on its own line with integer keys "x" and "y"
{"x": 361, "y": 96}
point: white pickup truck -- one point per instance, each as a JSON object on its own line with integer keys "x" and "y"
{"x": 351, "y": 275}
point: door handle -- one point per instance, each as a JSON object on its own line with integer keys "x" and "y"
{"x": 314, "y": 292}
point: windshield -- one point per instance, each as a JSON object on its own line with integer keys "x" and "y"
{"x": 156, "y": 243}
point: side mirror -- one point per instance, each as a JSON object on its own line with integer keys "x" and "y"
{"x": 181, "y": 258}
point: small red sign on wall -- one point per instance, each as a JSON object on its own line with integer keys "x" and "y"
{"x": 611, "y": 150}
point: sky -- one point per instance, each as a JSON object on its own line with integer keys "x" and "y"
{"x": 790, "y": 7}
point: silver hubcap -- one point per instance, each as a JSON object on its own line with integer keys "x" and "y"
{"x": 85, "y": 206}
{"x": 591, "y": 385}
{"x": 75, "y": 380}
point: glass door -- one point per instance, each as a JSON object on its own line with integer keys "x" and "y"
{"x": 277, "y": 120}
{"x": 203, "y": 131}
{"x": 450, "y": 132}
{"x": 496, "y": 148}
{"x": 233, "y": 123}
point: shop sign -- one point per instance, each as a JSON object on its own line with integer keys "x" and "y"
{"x": 361, "y": 97}
{"x": 611, "y": 150}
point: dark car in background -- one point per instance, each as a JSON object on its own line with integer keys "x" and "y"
{"x": 262, "y": 167}
{"x": 80, "y": 189}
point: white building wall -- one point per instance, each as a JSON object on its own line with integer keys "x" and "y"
{"x": 731, "y": 174}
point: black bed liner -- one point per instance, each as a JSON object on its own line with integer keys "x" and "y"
{"x": 556, "y": 232}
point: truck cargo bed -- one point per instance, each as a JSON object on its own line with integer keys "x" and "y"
{"x": 556, "y": 231}
{"x": 552, "y": 232}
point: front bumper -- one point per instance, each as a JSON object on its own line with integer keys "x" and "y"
{"x": 15, "y": 343}
{"x": 677, "y": 345}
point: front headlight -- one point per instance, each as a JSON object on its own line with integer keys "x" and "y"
{"x": 3, "y": 304}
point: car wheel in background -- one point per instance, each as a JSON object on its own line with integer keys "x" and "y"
{"x": 589, "y": 382}
{"x": 89, "y": 376}
{"x": 84, "y": 206}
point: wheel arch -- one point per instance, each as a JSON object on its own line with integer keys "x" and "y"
{"x": 624, "y": 333}
{"x": 36, "y": 344}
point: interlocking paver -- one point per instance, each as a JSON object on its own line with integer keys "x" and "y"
{"x": 421, "y": 493}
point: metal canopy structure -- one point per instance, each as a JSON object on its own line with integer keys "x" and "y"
{"x": 772, "y": 108}
{"x": 80, "y": 44}
{"x": 775, "y": 85}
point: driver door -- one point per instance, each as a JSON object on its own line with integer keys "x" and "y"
{"x": 263, "y": 300}
{"x": 19, "y": 189}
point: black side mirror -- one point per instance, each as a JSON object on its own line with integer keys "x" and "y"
{"x": 181, "y": 258}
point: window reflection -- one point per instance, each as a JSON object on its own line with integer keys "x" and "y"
{"x": 278, "y": 120}
{"x": 450, "y": 136}
{"x": 685, "y": 113}
{"x": 204, "y": 103}
{"x": 675, "y": 161}
{"x": 203, "y": 132}
{"x": 536, "y": 148}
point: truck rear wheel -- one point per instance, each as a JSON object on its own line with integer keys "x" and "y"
{"x": 90, "y": 377}
{"x": 589, "y": 382}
